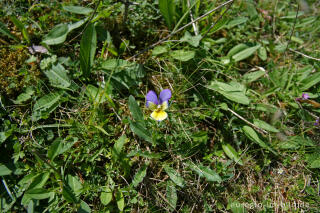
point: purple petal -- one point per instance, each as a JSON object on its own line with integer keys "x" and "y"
{"x": 305, "y": 96}
{"x": 151, "y": 97}
{"x": 165, "y": 95}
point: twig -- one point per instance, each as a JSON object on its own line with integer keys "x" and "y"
{"x": 294, "y": 25}
{"x": 181, "y": 28}
{"x": 248, "y": 122}
{"x": 304, "y": 55}
{"x": 192, "y": 19}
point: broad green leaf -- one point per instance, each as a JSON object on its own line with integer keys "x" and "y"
{"x": 313, "y": 159}
{"x": 72, "y": 26}
{"x": 237, "y": 207}
{"x": 84, "y": 207}
{"x": 233, "y": 91}
{"x": 78, "y": 9}
{"x": 47, "y": 101}
{"x": 252, "y": 135}
{"x": 88, "y": 45}
{"x": 4, "y": 170}
{"x": 174, "y": 176}
{"x": 38, "y": 193}
{"x": 192, "y": 40}
{"x": 182, "y": 55}
{"x": 5, "y": 31}
{"x": 141, "y": 173}
{"x": 168, "y": 10}
{"x": 253, "y": 76}
{"x": 262, "y": 53}
{"x": 106, "y": 196}
{"x": 232, "y": 153}
{"x": 245, "y": 53}
{"x": 236, "y": 21}
{"x": 171, "y": 195}
{"x": 234, "y": 50}
{"x": 135, "y": 109}
{"x": 57, "y": 35}
{"x": 264, "y": 125}
{"x": 39, "y": 181}
{"x": 315, "y": 164}
{"x": 295, "y": 142}
{"x": 310, "y": 81}
{"x": 112, "y": 64}
{"x": 141, "y": 131}
{"x": 68, "y": 195}
{"x": 74, "y": 184}
{"x": 118, "y": 147}
{"x": 58, "y": 76}
{"x": 120, "y": 200}
{"x": 55, "y": 149}
{"x": 204, "y": 171}
{"x": 159, "y": 50}
{"x": 4, "y": 136}
{"x": 24, "y": 96}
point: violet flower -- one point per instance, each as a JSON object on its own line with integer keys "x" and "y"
{"x": 158, "y": 105}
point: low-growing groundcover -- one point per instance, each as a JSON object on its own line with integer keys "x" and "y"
{"x": 235, "y": 127}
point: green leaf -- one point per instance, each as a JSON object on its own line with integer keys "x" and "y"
{"x": 4, "y": 136}
{"x": 78, "y": 9}
{"x": 295, "y": 142}
{"x": 88, "y": 45}
{"x": 159, "y": 50}
{"x": 171, "y": 195}
{"x": 174, "y": 176}
{"x": 264, "y": 125}
{"x": 57, "y": 35}
{"x": 167, "y": 9}
{"x": 106, "y": 196}
{"x": 24, "y": 96}
{"x": 58, "y": 76}
{"x": 234, "y": 50}
{"x": 141, "y": 173}
{"x": 204, "y": 171}
{"x": 192, "y": 40}
{"x": 252, "y": 135}
{"x": 68, "y": 195}
{"x": 96, "y": 95}
{"x": 118, "y": 147}
{"x": 182, "y": 55}
{"x": 21, "y": 27}
{"x": 39, "y": 181}
{"x": 74, "y": 184}
{"x": 120, "y": 200}
{"x": 310, "y": 81}
{"x": 84, "y": 207}
{"x": 253, "y": 76}
{"x": 245, "y": 53}
{"x": 262, "y": 53}
{"x": 232, "y": 153}
{"x": 60, "y": 146}
{"x": 47, "y": 101}
{"x": 38, "y": 193}
{"x": 237, "y": 21}
{"x": 4, "y": 170}
{"x": 233, "y": 91}
{"x": 141, "y": 131}
{"x": 5, "y": 31}
{"x": 135, "y": 110}
{"x": 112, "y": 64}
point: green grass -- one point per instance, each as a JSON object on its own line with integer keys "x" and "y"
{"x": 76, "y": 135}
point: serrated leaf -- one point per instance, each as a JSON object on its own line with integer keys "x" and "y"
{"x": 171, "y": 195}
{"x": 58, "y": 76}
{"x": 245, "y": 53}
{"x": 88, "y": 45}
{"x": 106, "y": 196}
{"x": 174, "y": 176}
{"x": 204, "y": 171}
{"x": 141, "y": 173}
{"x": 47, "y": 101}
{"x": 135, "y": 109}
{"x": 182, "y": 55}
{"x": 262, "y": 53}
{"x": 264, "y": 125}
{"x": 252, "y": 135}
{"x": 232, "y": 153}
{"x": 78, "y": 9}
{"x": 24, "y": 96}
{"x": 68, "y": 195}
{"x": 141, "y": 131}
{"x": 57, "y": 35}
{"x": 167, "y": 9}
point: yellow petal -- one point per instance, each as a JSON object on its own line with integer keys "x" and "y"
{"x": 164, "y": 105}
{"x": 159, "y": 115}
{"x": 152, "y": 106}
